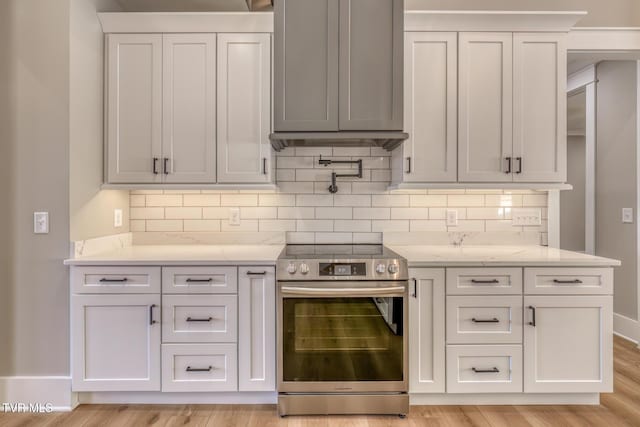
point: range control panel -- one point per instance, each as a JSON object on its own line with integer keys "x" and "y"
{"x": 339, "y": 269}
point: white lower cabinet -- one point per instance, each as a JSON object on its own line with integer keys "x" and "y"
{"x": 115, "y": 342}
{"x": 484, "y": 320}
{"x": 484, "y": 369}
{"x": 257, "y": 329}
{"x": 426, "y": 331}
{"x": 199, "y": 367}
{"x": 568, "y": 342}
{"x": 199, "y": 318}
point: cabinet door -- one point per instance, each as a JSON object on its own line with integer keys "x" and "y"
{"x": 244, "y": 108}
{"x": 568, "y": 348}
{"x": 189, "y": 113}
{"x": 371, "y": 63}
{"x": 430, "y": 113}
{"x": 426, "y": 331}
{"x": 485, "y": 107}
{"x": 539, "y": 107}
{"x": 256, "y": 329}
{"x": 115, "y": 342}
{"x": 306, "y": 91}
{"x": 134, "y": 108}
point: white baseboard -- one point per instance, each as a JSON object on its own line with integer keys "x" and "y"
{"x": 156, "y": 397}
{"x": 626, "y": 328}
{"x": 506, "y": 399}
{"x": 55, "y": 392}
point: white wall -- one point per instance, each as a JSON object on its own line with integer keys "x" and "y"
{"x": 34, "y": 167}
{"x": 616, "y": 151}
{"x": 91, "y": 209}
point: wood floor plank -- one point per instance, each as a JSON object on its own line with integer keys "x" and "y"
{"x": 618, "y": 409}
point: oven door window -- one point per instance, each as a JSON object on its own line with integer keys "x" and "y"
{"x": 342, "y": 339}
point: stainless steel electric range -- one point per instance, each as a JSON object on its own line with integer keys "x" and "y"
{"x": 342, "y": 341}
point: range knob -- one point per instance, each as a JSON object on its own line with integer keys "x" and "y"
{"x": 304, "y": 268}
{"x": 291, "y": 268}
{"x": 393, "y": 268}
{"x": 381, "y": 268}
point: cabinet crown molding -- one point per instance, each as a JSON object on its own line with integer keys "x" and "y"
{"x": 490, "y": 20}
{"x": 414, "y": 20}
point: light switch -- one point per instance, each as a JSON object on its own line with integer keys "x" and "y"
{"x": 117, "y": 217}
{"x": 234, "y": 216}
{"x": 627, "y": 215}
{"x": 41, "y": 222}
{"x": 452, "y": 217}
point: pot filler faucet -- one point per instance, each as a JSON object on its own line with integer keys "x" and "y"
{"x": 333, "y": 188}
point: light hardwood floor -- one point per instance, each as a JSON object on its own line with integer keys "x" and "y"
{"x": 621, "y": 408}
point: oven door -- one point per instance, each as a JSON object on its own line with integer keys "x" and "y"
{"x": 333, "y": 337}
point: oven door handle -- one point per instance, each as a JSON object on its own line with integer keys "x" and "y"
{"x": 332, "y": 292}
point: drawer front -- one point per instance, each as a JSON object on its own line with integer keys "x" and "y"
{"x": 115, "y": 280}
{"x": 484, "y": 369}
{"x": 199, "y": 367}
{"x": 484, "y": 281}
{"x": 568, "y": 281}
{"x": 199, "y": 318}
{"x": 200, "y": 280}
{"x": 484, "y": 320}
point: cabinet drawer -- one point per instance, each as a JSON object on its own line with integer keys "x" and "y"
{"x": 484, "y": 320}
{"x": 484, "y": 369}
{"x": 199, "y": 367}
{"x": 200, "y": 280}
{"x": 199, "y": 318}
{"x": 568, "y": 281}
{"x": 482, "y": 281}
{"x": 115, "y": 280}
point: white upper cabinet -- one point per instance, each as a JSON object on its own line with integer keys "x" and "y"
{"x": 134, "y": 108}
{"x": 485, "y": 107}
{"x": 244, "y": 108}
{"x": 539, "y": 107}
{"x": 430, "y": 109}
{"x": 189, "y": 112}
{"x": 188, "y": 108}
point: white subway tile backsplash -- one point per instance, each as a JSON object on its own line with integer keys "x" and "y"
{"x": 371, "y": 213}
{"x": 334, "y": 213}
{"x": 201, "y": 200}
{"x": 314, "y": 225}
{"x": 305, "y": 210}
{"x": 202, "y": 225}
{"x": 164, "y": 200}
{"x": 239, "y": 200}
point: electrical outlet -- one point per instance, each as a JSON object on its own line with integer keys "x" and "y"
{"x": 41, "y": 222}
{"x": 627, "y": 215}
{"x": 452, "y": 217}
{"x": 234, "y": 216}
{"x": 117, "y": 217}
{"x": 524, "y": 217}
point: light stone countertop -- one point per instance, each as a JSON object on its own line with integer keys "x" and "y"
{"x": 498, "y": 255}
{"x": 184, "y": 255}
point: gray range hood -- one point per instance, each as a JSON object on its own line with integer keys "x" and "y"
{"x": 338, "y": 67}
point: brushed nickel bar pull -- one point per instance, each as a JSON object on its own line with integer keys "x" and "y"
{"x": 264, "y": 165}
{"x": 256, "y": 273}
{"x": 155, "y": 165}
{"x": 190, "y": 280}
{"x": 415, "y": 288}
{"x": 519, "y": 159}
{"x": 408, "y": 165}
{"x": 166, "y": 166}
{"x": 508, "y": 159}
